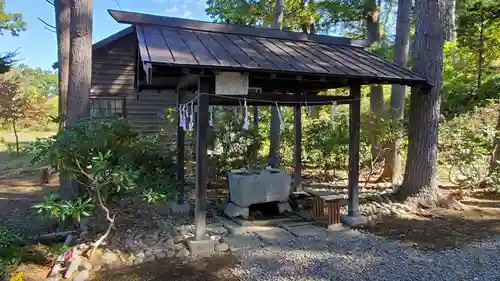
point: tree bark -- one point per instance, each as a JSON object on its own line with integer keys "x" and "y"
{"x": 372, "y": 15}
{"x": 274, "y": 130}
{"x": 480, "y": 52}
{"x": 392, "y": 154}
{"x": 80, "y": 59}
{"x": 79, "y": 78}
{"x": 63, "y": 14}
{"x": 16, "y": 136}
{"x": 451, "y": 21}
{"x": 419, "y": 181}
{"x": 495, "y": 154}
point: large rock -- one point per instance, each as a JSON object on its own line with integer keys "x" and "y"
{"x": 140, "y": 255}
{"x": 81, "y": 276}
{"x": 85, "y": 264}
{"x": 160, "y": 256}
{"x": 182, "y": 253}
{"x": 73, "y": 267}
{"x": 138, "y": 261}
{"x": 222, "y": 247}
{"x": 109, "y": 257}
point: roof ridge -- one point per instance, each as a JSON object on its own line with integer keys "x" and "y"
{"x": 181, "y": 23}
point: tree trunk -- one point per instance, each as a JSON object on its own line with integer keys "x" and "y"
{"x": 420, "y": 173}
{"x": 63, "y": 14}
{"x": 80, "y": 71}
{"x": 80, "y": 59}
{"x": 392, "y": 153}
{"x": 480, "y": 52}
{"x": 274, "y": 131}
{"x": 372, "y": 15}
{"x": 16, "y": 136}
{"x": 451, "y": 21}
{"x": 495, "y": 154}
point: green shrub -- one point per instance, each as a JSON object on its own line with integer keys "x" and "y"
{"x": 465, "y": 146}
{"x": 106, "y": 156}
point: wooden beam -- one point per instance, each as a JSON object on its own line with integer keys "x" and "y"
{"x": 265, "y": 99}
{"x": 354, "y": 139}
{"x": 180, "y": 153}
{"x": 201, "y": 160}
{"x": 187, "y": 81}
{"x": 297, "y": 151}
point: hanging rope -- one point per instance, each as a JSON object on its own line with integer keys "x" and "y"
{"x": 184, "y": 111}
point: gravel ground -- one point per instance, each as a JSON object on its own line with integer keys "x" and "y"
{"x": 352, "y": 255}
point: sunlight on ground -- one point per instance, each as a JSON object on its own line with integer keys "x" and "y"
{"x": 446, "y": 229}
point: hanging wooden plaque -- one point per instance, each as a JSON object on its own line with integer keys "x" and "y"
{"x": 231, "y": 83}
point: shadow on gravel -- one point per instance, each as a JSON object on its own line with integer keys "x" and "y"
{"x": 173, "y": 269}
{"x": 449, "y": 229}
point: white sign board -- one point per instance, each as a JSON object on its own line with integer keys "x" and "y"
{"x": 231, "y": 83}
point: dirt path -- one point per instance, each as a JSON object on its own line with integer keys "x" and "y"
{"x": 215, "y": 268}
{"x": 19, "y": 190}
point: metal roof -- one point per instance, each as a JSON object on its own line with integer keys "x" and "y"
{"x": 189, "y": 43}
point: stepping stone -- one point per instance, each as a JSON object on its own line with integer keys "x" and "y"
{"x": 275, "y": 235}
{"x": 306, "y": 231}
{"x": 243, "y": 242}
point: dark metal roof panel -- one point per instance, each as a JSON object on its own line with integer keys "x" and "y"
{"x": 167, "y": 41}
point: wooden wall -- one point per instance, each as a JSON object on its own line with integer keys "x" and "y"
{"x": 113, "y": 72}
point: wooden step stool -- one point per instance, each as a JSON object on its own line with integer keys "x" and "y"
{"x": 332, "y": 203}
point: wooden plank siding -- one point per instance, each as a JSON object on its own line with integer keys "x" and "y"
{"x": 113, "y": 74}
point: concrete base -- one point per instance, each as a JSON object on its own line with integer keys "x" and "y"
{"x": 232, "y": 210}
{"x": 177, "y": 208}
{"x": 307, "y": 230}
{"x": 240, "y": 242}
{"x": 284, "y": 207}
{"x": 201, "y": 247}
{"x": 234, "y": 228}
{"x": 274, "y": 235}
{"x": 353, "y": 221}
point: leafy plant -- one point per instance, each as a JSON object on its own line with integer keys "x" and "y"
{"x": 62, "y": 210}
{"x": 153, "y": 197}
{"x": 50, "y": 205}
{"x": 76, "y": 209}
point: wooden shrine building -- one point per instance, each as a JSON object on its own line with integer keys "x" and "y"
{"x": 189, "y": 58}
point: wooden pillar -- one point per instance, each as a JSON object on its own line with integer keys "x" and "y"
{"x": 201, "y": 160}
{"x": 354, "y": 125}
{"x": 297, "y": 151}
{"x": 180, "y": 154}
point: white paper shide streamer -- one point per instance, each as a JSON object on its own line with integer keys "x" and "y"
{"x": 182, "y": 117}
{"x": 281, "y": 118}
{"x": 210, "y": 116}
{"x": 191, "y": 118}
{"x": 333, "y": 111}
{"x": 246, "y": 122}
